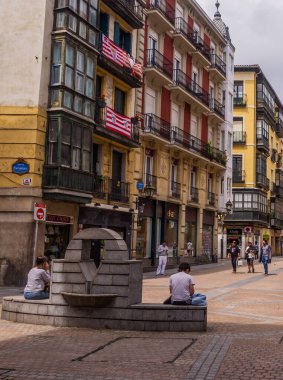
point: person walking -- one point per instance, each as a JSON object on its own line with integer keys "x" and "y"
{"x": 250, "y": 256}
{"x": 162, "y": 252}
{"x": 265, "y": 255}
{"x": 234, "y": 255}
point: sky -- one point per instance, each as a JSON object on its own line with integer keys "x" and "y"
{"x": 256, "y": 30}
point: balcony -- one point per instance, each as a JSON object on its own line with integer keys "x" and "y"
{"x": 154, "y": 126}
{"x": 217, "y": 110}
{"x": 276, "y": 221}
{"x": 247, "y": 216}
{"x": 278, "y": 190}
{"x": 184, "y": 36}
{"x": 217, "y": 68}
{"x": 118, "y": 191}
{"x": 265, "y": 106}
{"x": 238, "y": 176}
{"x": 100, "y": 188}
{"x": 239, "y": 137}
{"x": 192, "y": 144}
{"x": 279, "y": 127}
{"x": 273, "y": 155}
{"x": 161, "y": 15}
{"x": 262, "y": 181}
{"x": 211, "y": 199}
{"x": 158, "y": 68}
{"x": 119, "y": 63}
{"x": 128, "y": 11}
{"x": 240, "y": 100}
{"x": 175, "y": 189}
{"x": 193, "y": 195}
{"x": 61, "y": 183}
{"x": 150, "y": 180}
{"x": 262, "y": 144}
{"x": 203, "y": 52}
{"x": 117, "y": 127}
{"x": 189, "y": 90}
{"x": 279, "y": 161}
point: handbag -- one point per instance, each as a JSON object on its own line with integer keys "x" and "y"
{"x": 240, "y": 262}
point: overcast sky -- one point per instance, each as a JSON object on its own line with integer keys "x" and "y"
{"x": 256, "y": 30}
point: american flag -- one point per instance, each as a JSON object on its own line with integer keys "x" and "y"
{"x": 120, "y": 57}
{"x": 118, "y": 123}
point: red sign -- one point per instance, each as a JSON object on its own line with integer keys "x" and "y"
{"x": 58, "y": 219}
{"x": 39, "y": 211}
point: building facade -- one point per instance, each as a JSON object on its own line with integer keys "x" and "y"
{"x": 257, "y": 161}
{"x": 183, "y": 133}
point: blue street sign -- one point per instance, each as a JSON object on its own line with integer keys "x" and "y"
{"x": 140, "y": 185}
{"x": 20, "y": 167}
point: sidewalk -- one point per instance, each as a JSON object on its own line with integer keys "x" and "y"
{"x": 244, "y": 338}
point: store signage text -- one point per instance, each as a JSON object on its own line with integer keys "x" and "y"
{"x": 58, "y": 219}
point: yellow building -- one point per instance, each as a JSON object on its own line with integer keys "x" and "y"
{"x": 257, "y": 160}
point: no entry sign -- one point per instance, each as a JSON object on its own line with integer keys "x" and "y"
{"x": 39, "y": 211}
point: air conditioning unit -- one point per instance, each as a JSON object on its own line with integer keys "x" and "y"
{"x": 247, "y": 229}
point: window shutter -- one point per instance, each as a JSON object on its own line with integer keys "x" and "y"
{"x": 104, "y": 22}
{"x": 128, "y": 43}
{"x": 117, "y": 33}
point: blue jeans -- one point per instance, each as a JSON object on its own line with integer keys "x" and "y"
{"x": 265, "y": 264}
{"x": 36, "y": 295}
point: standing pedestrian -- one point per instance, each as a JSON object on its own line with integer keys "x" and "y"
{"x": 265, "y": 255}
{"x": 250, "y": 256}
{"x": 189, "y": 248}
{"x": 234, "y": 255}
{"x": 162, "y": 252}
{"x": 256, "y": 250}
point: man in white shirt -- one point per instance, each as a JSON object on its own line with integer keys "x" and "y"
{"x": 162, "y": 251}
{"x": 182, "y": 286}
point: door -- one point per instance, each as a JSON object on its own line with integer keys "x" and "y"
{"x": 150, "y": 104}
{"x": 117, "y": 175}
{"x": 152, "y": 48}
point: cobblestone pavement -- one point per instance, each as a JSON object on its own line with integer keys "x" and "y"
{"x": 244, "y": 338}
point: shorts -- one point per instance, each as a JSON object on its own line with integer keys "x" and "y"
{"x": 250, "y": 261}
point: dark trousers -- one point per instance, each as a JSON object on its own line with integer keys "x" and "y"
{"x": 234, "y": 263}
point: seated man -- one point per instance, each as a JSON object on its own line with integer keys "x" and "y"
{"x": 38, "y": 280}
{"x": 182, "y": 286}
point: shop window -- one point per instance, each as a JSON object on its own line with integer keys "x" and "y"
{"x": 56, "y": 240}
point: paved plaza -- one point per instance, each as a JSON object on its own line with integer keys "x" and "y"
{"x": 244, "y": 338}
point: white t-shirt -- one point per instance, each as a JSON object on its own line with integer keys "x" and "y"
{"x": 37, "y": 279}
{"x": 179, "y": 284}
{"x": 189, "y": 246}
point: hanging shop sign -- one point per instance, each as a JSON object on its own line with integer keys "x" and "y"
{"x": 58, "y": 219}
{"x": 20, "y": 167}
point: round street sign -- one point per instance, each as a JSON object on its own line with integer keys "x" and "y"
{"x": 39, "y": 211}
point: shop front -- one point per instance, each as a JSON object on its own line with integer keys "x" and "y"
{"x": 207, "y": 234}
{"x": 191, "y": 229}
{"x": 234, "y": 234}
{"x": 57, "y": 235}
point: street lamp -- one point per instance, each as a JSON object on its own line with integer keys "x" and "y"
{"x": 221, "y": 216}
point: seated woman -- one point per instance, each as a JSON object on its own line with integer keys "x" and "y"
{"x": 38, "y": 280}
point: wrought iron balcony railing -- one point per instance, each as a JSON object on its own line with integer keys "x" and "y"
{"x": 239, "y": 137}
{"x": 150, "y": 180}
{"x": 279, "y": 127}
{"x": 183, "y": 80}
{"x": 182, "y": 27}
{"x": 238, "y": 176}
{"x": 217, "y": 107}
{"x": 164, "y": 8}
{"x": 193, "y": 194}
{"x": 240, "y": 100}
{"x": 262, "y": 181}
{"x": 202, "y": 46}
{"x": 175, "y": 189}
{"x": 118, "y": 191}
{"x": 157, "y": 126}
{"x": 218, "y": 63}
{"x": 211, "y": 199}
{"x": 155, "y": 59}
